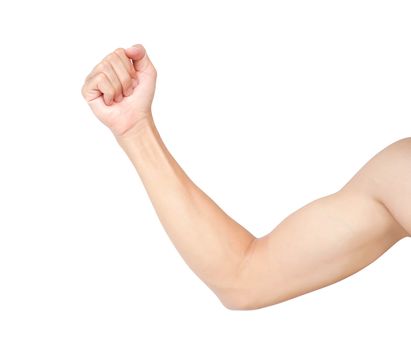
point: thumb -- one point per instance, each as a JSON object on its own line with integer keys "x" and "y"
{"x": 140, "y": 58}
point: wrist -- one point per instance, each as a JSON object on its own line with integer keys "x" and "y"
{"x": 143, "y": 124}
{"x": 142, "y": 143}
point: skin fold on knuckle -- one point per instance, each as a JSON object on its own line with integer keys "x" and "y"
{"x": 109, "y": 96}
{"x": 123, "y": 59}
{"x": 114, "y": 78}
{"x": 130, "y": 67}
{"x": 119, "y": 51}
{"x": 102, "y": 66}
{"x": 101, "y": 79}
{"x": 90, "y": 82}
{"x": 103, "y": 83}
{"x": 117, "y": 62}
{"x": 118, "y": 91}
{"x": 115, "y": 82}
{"x": 126, "y": 84}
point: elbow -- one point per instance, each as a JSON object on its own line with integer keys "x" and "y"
{"x": 238, "y": 305}
{"x": 240, "y": 301}
{"x": 240, "y": 293}
{"x": 244, "y": 302}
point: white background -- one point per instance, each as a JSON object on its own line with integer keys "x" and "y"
{"x": 266, "y": 106}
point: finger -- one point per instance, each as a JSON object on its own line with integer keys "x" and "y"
{"x": 140, "y": 58}
{"x": 122, "y": 74}
{"x": 126, "y": 61}
{"x": 99, "y": 85}
{"x": 99, "y": 67}
{"x": 107, "y": 68}
{"x": 106, "y": 87}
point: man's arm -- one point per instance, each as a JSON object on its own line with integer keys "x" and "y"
{"x": 319, "y": 244}
{"x": 210, "y": 241}
{"x": 334, "y": 236}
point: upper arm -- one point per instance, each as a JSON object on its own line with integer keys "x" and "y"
{"x": 387, "y": 177}
{"x": 323, "y": 242}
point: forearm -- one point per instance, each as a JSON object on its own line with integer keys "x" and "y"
{"x": 210, "y": 241}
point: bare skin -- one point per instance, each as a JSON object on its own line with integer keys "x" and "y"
{"x": 321, "y": 243}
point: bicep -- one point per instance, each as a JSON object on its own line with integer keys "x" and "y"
{"x": 321, "y": 243}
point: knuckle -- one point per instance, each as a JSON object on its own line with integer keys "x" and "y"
{"x": 119, "y": 89}
{"x": 125, "y": 80}
{"x": 90, "y": 78}
{"x": 119, "y": 51}
{"x": 108, "y": 56}
{"x": 127, "y": 85}
{"x": 101, "y": 66}
{"x": 118, "y": 86}
{"x": 105, "y": 64}
{"x": 111, "y": 92}
{"x": 100, "y": 78}
{"x": 107, "y": 61}
{"x": 115, "y": 58}
{"x": 111, "y": 56}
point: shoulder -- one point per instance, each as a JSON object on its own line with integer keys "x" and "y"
{"x": 399, "y": 148}
{"x": 389, "y": 164}
{"x": 386, "y": 178}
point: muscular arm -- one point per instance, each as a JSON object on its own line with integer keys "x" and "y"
{"x": 319, "y": 244}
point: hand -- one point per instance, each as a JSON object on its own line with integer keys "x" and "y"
{"x": 120, "y": 89}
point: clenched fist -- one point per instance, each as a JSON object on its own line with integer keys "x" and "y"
{"x": 120, "y": 89}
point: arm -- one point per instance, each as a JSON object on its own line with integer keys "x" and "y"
{"x": 321, "y": 243}
{"x": 210, "y": 241}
